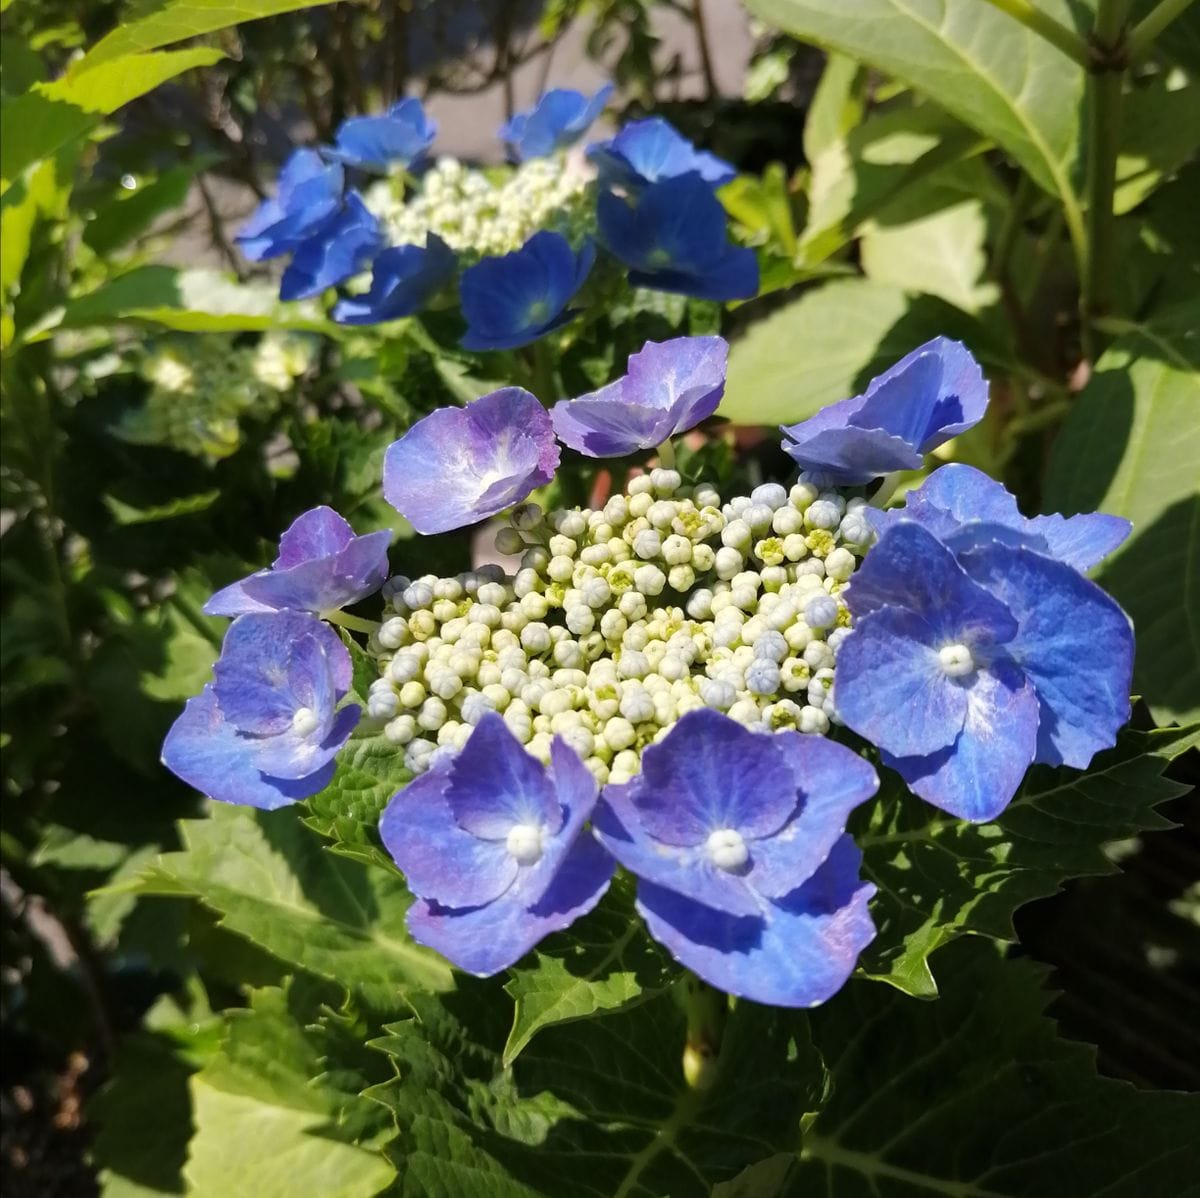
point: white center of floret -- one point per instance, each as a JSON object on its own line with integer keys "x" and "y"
{"x": 524, "y": 843}
{"x": 727, "y": 850}
{"x": 304, "y": 722}
{"x": 956, "y": 660}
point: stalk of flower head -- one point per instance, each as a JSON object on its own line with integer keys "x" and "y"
{"x": 688, "y": 685}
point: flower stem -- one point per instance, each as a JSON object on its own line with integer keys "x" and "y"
{"x": 1146, "y": 31}
{"x": 706, "y": 1009}
{"x": 353, "y": 623}
{"x": 544, "y": 386}
{"x": 1057, "y": 34}
{"x": 666, "y": 454}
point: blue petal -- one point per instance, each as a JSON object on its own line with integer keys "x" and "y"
{"x": 644, "y": 152}
{"x": 560, "y": 117}
{"x": 459, "y": 466}
{"x": 850, "y": 456}
{"x": 832, "y": 781}
{"x": 1073, "y": 641}
{"x": 484, "y": 940}
{"x": 798, "y": 956}
{"x": 319, "y": 532}
{"x": 234, "y": 601}
{"x": 710, "y": 773}
{"x": 338, "y": 250}
{"x": 892, "y": 689}
{"x": 401, "y": 136}
{"x": 440, "y": 861}
{"x": 404, "y": 279}
{"x": 686, "y": 870}
{"x": 207, "y": 753}
{"x": 494, "y": 783}
{"x": 608, "y": 428}
{"x": 309, "y": 195}
{"x": 977, "y": 776}
{"x": 293, "y": 756}
{"x": 910, "y": 568}
{"x": 1081, "y": 541}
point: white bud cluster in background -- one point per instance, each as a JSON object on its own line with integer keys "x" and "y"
{"x": 281, "y": 358}
{"x": 622, "y": 619}
{"x": 485, "y": 213}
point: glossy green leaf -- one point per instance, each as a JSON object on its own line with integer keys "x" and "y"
{"x": 940, "y": 878}
{"x": 836, "y": 107}
{"x": 1131, "y": 446}
{"x": 154, "y": 23}
{"x": 976, "y": 1096}
{"x": 269, "y": 880}
{"x": 34, "y": 125}
{"x": 988, "y": 70}
{"x": 594, "y": 1109}
{"x": 1160, "y": 132}
{"x": 828, "y": 344}
{"x": 601, "y": 964}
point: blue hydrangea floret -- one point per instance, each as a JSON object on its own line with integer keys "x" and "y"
{"x": 558, "y": 120}
{"x": 264, "y": 733}
{"x": 647, "y": 151}
{"x": 399, "y": 137}
{"x": 494, "y": 846}
{"x": 668, "y": 388}
{"x": 321, "y": 567}
{"x": 744, "y": 869}
{"x": 404, "y": 279}
{"x": 460, "y": 465}
{"x": 340, "y": 248}
{"x": 929, "y": 396}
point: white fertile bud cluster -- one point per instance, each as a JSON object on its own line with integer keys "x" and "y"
{"x": 622, "y": 619}
{"x": 481, "y": 213}
{"x": 281, "y": 358}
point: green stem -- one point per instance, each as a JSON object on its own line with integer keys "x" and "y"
{"x": 543, "y": 372}
{"x": 1057, "y": 34}
{"x": 196, "y": 618}
{"x": 353, "y": 623}
{"x": 706, "y": 1009}
{"x": 666, "y": 454}
{"x": 1146, "y": 31}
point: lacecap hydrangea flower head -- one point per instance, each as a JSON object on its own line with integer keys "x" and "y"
{"x": 520, "y": 245}
{"x": 654, "y": 682}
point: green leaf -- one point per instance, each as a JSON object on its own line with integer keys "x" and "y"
{"x": 155, "y": 23}
{"x": 193, "y": 301}
{"x": 975, "y": 1096}
{"x": 268, "y": 1116}
{"x": 837, "y": 106}
{"x": 129, "y": 214}
{"x": 370, "y": 770}
{"x": 1160, "y": 132}
{"x": 594, "y": 1109}
{"x": 940, "y": 878}
{"x": 34, "y": 125}
{"x": 186, "y": 505}
{"x": 1131, "y": 446}
{"x": 601, "y": 964}
{"x": 991, "y": 72}
{"x": 270, "y": 881}
{"x": 828, "y": 344}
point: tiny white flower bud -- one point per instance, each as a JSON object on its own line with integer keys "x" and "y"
{"x": 509, "y": 542}
{"x": 728, "y": 562}
{"x": 840, "y": 564}
{"x": 801, "y": 495}
{"x": 401, "y": 730}
{"x": 619, "y": 734}
{"x": 535, "y": 638}
{"x": 412, "y": 694}
{"x": 718, "y": 693}
{"x": 813, "y": 720}
{"x": 432, "y": 714}
{"x": 526, "y": 516}
{"x": 647, "y": 544}
{"x": 820, "y": 611}
{"x": 649, "y": 580}
{"x": 818, "y": 655}
{"x": 632, "y": 664}
{"x": 665, "y": 482}
{"x": 661, "y": 513}
{"x": 823, "y": 513}
{"x": 632, "y": 605}
{"x": 393, "y": 633}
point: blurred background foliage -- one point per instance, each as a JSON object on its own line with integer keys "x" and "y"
{"x": 164, "y": 416}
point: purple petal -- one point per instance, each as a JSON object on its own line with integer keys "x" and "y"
{"x": 710, "y": 773}
{"x": 234, "y": 601}
{"x": 1081, "y": 541}
{"x": 910, "y": 568}
{"x": 440, "y": 861}
{"x": 459, "y": 466}
{"x": 484, "y": 940}
{"x": 798, "y": 956}
{"x": 891, "y": 688}
{"x": 977, "y": 776}
{"x": 207, "y": 753}
{"x": 494, "y": 783}
{"x": 1073, "y": 641}
{"x": 319, "y": 532}
{"x": 832, "y": 780}
{"x": 609, "y": 428}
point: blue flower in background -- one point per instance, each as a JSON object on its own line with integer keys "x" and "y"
{"x": 929, "y": 396}
{"x": 745, "y": 872}
{"x": 672, "y": 237}
{"x": 644, "y": 152}
{"x": 341, "y": 247}
{"x": 401, "y": 136}
{"x": 404, "y": 279}
{"x": 309, "y": 194}
{"x": 457, "y": 466}
{"x": 322, "y": 566}
{"x": 515, "y": 299}
{"x": 265, "y": 731}
{"x": 559, "y": 119}
{"x": 963, "y": 671}
{"x": 668, "y": 387}
{"x": 494, "y": 847}
{"x": 964, "y": 508}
